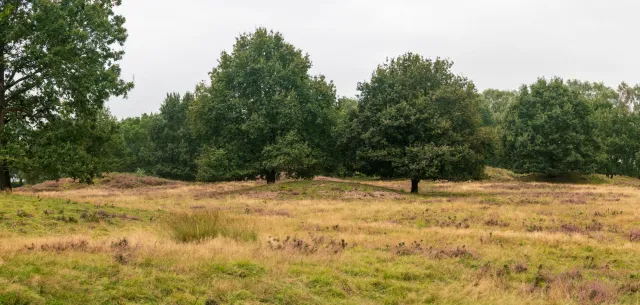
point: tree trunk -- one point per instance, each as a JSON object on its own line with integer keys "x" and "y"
{"x": 414, "y": 185}
{"x": 5, "y": 177}
{"x": 271, "y": 177}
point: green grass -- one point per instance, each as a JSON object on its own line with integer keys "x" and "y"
{"x": 455, "y": 243}
{"x": 203, "y": 225}
{"x": 35, "y": 216}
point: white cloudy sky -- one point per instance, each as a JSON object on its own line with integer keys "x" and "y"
{"x": 497, "y": 43}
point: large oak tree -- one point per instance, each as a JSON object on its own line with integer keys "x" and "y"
{"x": 418, "y": 120}
{"x": 54, "y": 55}
{"x": 263, "y": 113}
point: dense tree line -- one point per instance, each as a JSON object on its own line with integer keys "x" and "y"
{"x": 556, "y": 127}
{"x": 262, "y": 114}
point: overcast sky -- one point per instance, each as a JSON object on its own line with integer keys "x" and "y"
{"x": 500, "y": 44}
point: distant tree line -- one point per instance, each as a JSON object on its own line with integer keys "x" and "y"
{"x": 263, "y": 115}
{"x": 556, "y": 127}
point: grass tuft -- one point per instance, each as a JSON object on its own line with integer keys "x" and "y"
{"x": 203, "y": 225}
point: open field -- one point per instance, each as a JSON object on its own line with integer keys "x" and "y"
{"x": 327, "y": 241}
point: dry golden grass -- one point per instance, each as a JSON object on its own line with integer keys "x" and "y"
{"x": 332, "y": 242}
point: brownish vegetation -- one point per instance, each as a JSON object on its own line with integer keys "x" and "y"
{"x": 314, "y": 242}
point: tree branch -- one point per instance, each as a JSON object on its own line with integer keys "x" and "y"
{"x": 11, "y": 83}
{"x": 10, "y": 79}
{"x": 18, "y": 92}
{"x": 15, "y": 109}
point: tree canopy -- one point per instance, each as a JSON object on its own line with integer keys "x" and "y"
{"x": 550, "y": 129}
{"x": 79, "y": 147}
{"x": 617, "y": 126}
{"x": 263, "y": 113}
{"x": 418, "y": 120}
{"x": 57, "y": 56}
{"x": 175, "y": 148}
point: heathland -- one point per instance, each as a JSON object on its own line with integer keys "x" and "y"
{"x": 139, "y": 240}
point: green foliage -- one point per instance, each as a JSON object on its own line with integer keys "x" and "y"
{"x": 345, "y": 135}
{"x": 139, "y": 150}
{"x": 263, "y": 114}
{"x": 617, "y": 126}
{"x": 175, "y": 149}
{"x": 195, "y": 227}
{"x": 218, "y": 165}
{"x": 550, "y": 129}
{"x": 80, "y": 147}
{"x": 629, "y": 97}
{"x": 495, "y": 104}
{"x": 493, "y": 108}
{"x": 416, "y": 119}
{"x": 162, "y": 144}
{"x": 58, "y": 58}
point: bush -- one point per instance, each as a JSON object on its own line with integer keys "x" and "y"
{"x": 195, "y": 227}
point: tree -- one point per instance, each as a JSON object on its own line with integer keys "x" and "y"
{"x": 54, "y": 54}
{"x": 80, "y": 147}
{"x": 346, "y": 137}
{"x": 174, "y": 148}
{"x": 629, "y": 97}
{"x": 497, "y": 102}
{"x": 493, "y": 107}
{"x": 550, "y": 129}
{"x": 418, "y": 120}
{"x": 612, "y": 126}
{"x": 263, "y": 114}
{"x": 138, "y": 147}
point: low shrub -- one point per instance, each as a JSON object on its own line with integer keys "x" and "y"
{"x": 634, "y": 235}
{"x": 207, "y": 224}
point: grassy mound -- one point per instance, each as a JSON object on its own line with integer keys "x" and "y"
{"x": 505, "y": 175}
{"x": 500, "y": 174}
{"x": 130, "y": 181}
{"x": 54, "y": 185}
{"x": 111, "y": 180}
{"x": 320, "y": 189}
{"x": 33, "y": 216}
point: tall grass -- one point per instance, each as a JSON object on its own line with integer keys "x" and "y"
{"x": 203, "y": 225}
